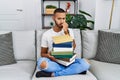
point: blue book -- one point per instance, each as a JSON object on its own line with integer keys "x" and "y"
{"x": 66, "y": 44}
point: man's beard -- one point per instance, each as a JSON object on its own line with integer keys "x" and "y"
{"x": 59, "y": 25}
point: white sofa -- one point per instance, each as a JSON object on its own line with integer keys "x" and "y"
{"x": 26, "y": 54}
{"x": 24, "y": 51}
{"x": 88, "y": 76}
{"x": 102, "y": 70}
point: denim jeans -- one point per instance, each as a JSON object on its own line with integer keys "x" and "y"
{"x": 76, "y": 67}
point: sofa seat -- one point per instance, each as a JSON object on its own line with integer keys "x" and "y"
{"x": 22, "y": 70}
{"x": 88, "y": 76}
{"x": 105, "y": 71}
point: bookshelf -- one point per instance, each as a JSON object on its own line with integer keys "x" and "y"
{"x": 47, "y": 18}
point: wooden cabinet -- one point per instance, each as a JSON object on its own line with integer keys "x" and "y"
{"x": 47, "y": 18}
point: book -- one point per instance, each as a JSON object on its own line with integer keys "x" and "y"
{"x": 62, "y": 39}
{"x": 65, "y": 44}
{"x": 63, "y": 56}
{"x": 64, "y": 62}
{"x": 56, "y": 49}
{"x": 62, "y": 53}
{"x": 68, "y": 59}
{"x": 68, "y": 62}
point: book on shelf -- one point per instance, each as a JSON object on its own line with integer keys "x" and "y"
{"x": 65, "y": 44}
{"x": 62, "y": 39}
{"x": 67, "y": 61}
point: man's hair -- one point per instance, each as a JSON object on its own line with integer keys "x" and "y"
{"x": 59, "y": 10}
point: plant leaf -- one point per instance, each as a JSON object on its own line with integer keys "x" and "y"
{"x": 90, "y": 21}
{"x": 83, "y": 12}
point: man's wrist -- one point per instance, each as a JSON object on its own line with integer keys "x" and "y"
{"x": 66, "y": 32}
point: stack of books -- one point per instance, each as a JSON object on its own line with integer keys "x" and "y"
{"x": 63, "y": 49}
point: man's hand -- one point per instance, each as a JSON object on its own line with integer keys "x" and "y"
{"x": 51, "y": 57}
{"x": 65, "y": 26}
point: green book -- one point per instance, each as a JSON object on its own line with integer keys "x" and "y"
{"x": 62, "y": 56}
{"x": 62, "y": 53}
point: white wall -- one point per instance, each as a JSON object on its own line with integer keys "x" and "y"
{"x": 30, "y": 17}
{"x": 102, "y": 17}
{"x": 88, "y": 6}
{"x": 20, "y": 14}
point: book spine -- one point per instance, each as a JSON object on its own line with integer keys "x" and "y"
{"x": 68, "y": 59}
{"x": 62, "y": 49}
{"x": 62, "y": 53}
{"x": 62, "y": 56}
{"x": 66, "y": 44}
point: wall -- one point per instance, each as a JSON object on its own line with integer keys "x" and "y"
{"x": 20, "y": 14}
{"x": 30, "y": 16}
{"x": 102, "y": 17}
{"x": 89, "y": 7}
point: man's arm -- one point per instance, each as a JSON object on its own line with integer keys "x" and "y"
{"x": 66, "y": 31}
{"x": 74, "y": 45}
{"x": 45, "y": 53}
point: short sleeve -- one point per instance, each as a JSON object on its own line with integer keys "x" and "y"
{"x": 44, "y": 42}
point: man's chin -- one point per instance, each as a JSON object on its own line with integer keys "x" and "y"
{"x": 60, "y": 26}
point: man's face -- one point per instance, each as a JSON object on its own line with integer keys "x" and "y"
{"x": 59, "y": 19}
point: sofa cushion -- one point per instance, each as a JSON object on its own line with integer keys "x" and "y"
{"x": 23, "y": 44}
{"x": 22, "y": 70}
{"x": 105, "y": 71}
{"x": 6, "y": 49}
{"x": 108, "y": 49}
{"x": 89, "y": 43}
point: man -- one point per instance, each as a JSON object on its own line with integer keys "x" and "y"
{"x": 47, "y": 64}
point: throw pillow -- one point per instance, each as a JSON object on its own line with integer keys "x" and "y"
{"x": 108, "y": 49}
{"x": 6, "y": 49}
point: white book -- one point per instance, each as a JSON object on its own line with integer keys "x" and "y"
{"x": 55, "y": 49}
{"x": 66, "y": 63}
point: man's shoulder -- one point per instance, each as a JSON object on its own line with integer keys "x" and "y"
{"x": 48, "y": 31}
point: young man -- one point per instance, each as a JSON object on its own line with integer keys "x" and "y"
{"x": 47, "y": 64}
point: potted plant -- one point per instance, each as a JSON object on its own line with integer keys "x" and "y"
{"x": 50, "y": 9}
{"x": 79, "y": 20}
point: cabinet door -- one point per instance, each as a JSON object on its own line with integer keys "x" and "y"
{"x": 11, "y": 14}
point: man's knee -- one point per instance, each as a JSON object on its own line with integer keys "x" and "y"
{"x": 43, "y": 65}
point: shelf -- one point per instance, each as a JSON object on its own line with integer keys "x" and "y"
{"x": 59, "y": 0}
{"x": 52, "y": 14}
{"x": 46, "y": 27}
{"x": 47, "y": 14}
{"x": 59, "y": 4}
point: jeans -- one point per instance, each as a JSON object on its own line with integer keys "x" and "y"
{"x": 76, "y": 67}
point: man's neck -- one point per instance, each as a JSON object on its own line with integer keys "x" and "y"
{"x": 57, "y": 29}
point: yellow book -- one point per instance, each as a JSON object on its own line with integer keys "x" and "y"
{"x": 62, "y": 39}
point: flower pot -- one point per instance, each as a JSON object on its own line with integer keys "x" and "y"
{"x": 49, "y": 11}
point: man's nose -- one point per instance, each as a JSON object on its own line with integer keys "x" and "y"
{"x": 62, "y": 21}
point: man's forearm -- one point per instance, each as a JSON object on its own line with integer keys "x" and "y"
{"x": 45, "y": 55}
